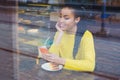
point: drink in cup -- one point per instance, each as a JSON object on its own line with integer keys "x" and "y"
{"x": 42, "y": 50}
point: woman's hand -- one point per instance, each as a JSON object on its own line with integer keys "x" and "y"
{"x": 58, "y": 27}
{"x": 59, "y": 37}
{"x": 53, "y": 58}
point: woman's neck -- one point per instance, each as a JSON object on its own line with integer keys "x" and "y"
{"x": 72, "y": 31}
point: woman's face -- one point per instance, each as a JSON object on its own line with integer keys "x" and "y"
{"x": 67, "y": 20}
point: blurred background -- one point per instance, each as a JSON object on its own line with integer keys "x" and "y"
{"x": 27, "y": 24}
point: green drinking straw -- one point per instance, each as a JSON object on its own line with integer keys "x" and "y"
{"x": 45, "y": 43}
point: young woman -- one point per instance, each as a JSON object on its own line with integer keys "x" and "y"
{"x": 63, "y": 46}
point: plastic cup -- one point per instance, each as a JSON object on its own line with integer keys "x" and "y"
{"x": 42, "y": 50}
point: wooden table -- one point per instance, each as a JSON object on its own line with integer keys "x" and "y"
{"x": 37, "y": 73}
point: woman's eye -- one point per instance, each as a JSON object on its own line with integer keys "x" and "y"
{"x": 66, "y": 18}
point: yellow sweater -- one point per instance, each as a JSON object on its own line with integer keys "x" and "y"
{"x": 85, "y": 57}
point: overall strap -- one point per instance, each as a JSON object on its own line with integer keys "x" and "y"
{"x": 77, "y": 40}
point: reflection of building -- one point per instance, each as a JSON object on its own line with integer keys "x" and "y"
{"x": 34, "y": 1}
{"x": 37, "y": 1}
{"x": 98, "y": 2}
{"x": 110, "y": 2}
{"x": 29, "y": 0}
{"x": 84, "y": 2}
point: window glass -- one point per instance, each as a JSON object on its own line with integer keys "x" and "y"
{"x": 27, "y": 26}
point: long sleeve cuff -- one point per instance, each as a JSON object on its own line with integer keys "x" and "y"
{"x": 79, "y": 65}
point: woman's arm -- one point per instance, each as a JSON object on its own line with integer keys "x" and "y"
{"x": 80, "y": 65}
{"x": 56, "y": 43}
{"x": 59, "y": 36}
